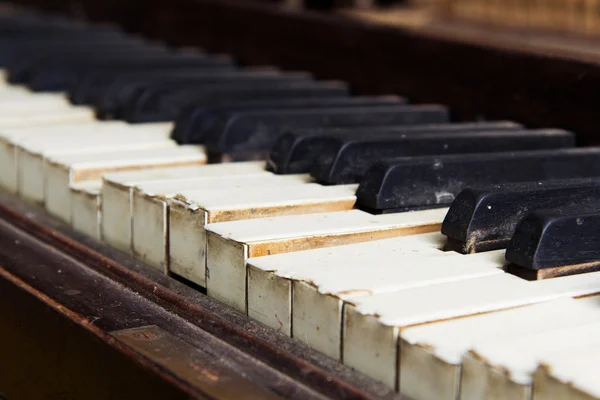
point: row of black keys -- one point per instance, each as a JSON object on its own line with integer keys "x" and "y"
{"x": 405, "y": 157}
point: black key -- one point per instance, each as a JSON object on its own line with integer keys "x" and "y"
{"x": 194, "y": 103}
{"x": 343, "y": 161}
{"x": 23, "y": 63}
{"x": 93, "y": 86}
{"x": 434, "y": 181}
{"x": 119, "y": 95}
{"x": 63, "y": 76}
{"x": 556, "y": 242}
{"x": 194, "y": 120}
{"x": 150, "y": 105}
{"x": 295, "y": 152}
{"x": 253, "y": 132}
{"x": 484, "y": 218}
{"x": 86, "y": 87}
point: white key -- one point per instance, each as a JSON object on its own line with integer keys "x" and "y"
{"x": 62, "y": 171}
{"x": 190, "y": 211}
{"x": 502, "y": 368}
{"x": 568, "y": 375}
{"x": 31, "y": 153}
{"x": 150, "y": 209}
{"x": 232, "y": 243}
{"x": 85, "y": 207}
{"x": 117, "y": 193}
{"x": 347, "y": 272}
{"x": 8, "y": 138}
{"x": 21, "y": 102}
{"x": 435, "y": 351}
{"x": 371, "y": 323}
{"x": 10, "y": 119}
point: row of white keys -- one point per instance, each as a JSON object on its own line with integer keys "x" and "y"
{"x": 296, "y": 292}
{"x": 191, "y": 211}
{"x": 61, "y": 171}
{"x": 151, "y": 210}
{"x": 118, "y": 188}
{"x": 372, "y": 316}
{"x": 9, "y": 137}
{"x": 434, "y": 352}
{"x": 231, "y": 244}
{"x": 502, "y": 367}
{"x": 31, "y": 152}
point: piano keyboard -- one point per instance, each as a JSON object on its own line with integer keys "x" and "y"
{"x": 448, "y": 260}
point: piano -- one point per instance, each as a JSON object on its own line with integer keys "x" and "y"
{"x": 221, "y": 199}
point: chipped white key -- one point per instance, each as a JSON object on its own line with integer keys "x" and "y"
{"x": 191, "y": 211}
{"x": 568, "y": 375}
{"x": 502, "y": 367}
{"x": 371, "y": 323}
{"x": 31, "y": 153}
{"x": 85, "y": 207}
{"x": 350, "y": 271}
{"x": 117, "y": 193}
{"x": 9, "y": 136}
{"x": 435, "y": 351}
{"x": 150, "y": 209}
{"x": 232, "y": 243}
{"x": 62, "y": 171}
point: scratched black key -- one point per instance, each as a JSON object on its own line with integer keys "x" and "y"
{"x": 61, "y": 76}
{"x": 120, "y": 94}
{"x": 434, "y": 181}
{"x": 484, "y": 218}
{"x": 253, "y": 132}
{"x": 150, "y": 104}
{"x": 344, "y": 161}
{"x": 295, "y": 151}
{"x": 556, "y": 242}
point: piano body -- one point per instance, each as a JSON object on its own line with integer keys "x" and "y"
{"x": 312, "y": 205}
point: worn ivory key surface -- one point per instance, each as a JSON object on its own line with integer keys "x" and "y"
{"x": 568, "y": 375}
{"x": 85, "y": 207}
{"x": 64, "y": 170}
{"x": 150, "y": 209}
{"x": 191, "y": 211}
{"x": 435, "y": 351}
{"x": 117, "y": 193}
{"x": 502, "y": 368}
{"x": 317, "y": 310}
{"x": 232, "y": 243}
{"x": 31, "y": 153}
{"x": 349, "y": 271}
{"x": 9, "y": 136}
{"x": 371, "y": 324}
